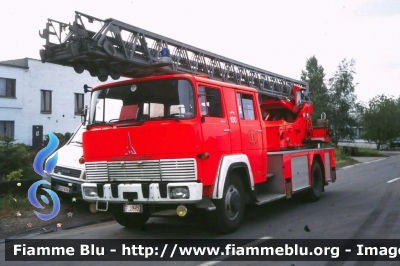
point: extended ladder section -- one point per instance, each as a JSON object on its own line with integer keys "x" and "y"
{"x": 113, "y": 48}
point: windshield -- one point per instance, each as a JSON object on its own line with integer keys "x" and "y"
{"x": 156, "y": 100}
{"x": 77, "y": 137}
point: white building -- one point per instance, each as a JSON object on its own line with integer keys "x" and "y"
{"x": 38, "y": 97}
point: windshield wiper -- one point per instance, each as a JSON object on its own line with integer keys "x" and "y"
{"x": 124, "y": 120}
{"x": 127, "y": 122}
{"x": 97, "y": 124}
{"x": 75, "y": 141}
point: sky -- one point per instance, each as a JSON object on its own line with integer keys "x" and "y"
{"x": 277, "y": 35}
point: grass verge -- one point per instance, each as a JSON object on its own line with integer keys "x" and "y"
{"x": 343, "y": 158}
{"x": 364, "y": 152}
{"x": 11, "y": 203}
{"x": 344, "y": 154}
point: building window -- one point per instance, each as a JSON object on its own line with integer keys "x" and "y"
{"x": 45, "y": 103}
{"x": 79, "y": 102}
{"x": 7, "y": 87}
{"x": 7, "y": 128}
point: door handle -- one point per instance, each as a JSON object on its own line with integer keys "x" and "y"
{"x": 260, "y": 130}
{"x": 227, "y": 130}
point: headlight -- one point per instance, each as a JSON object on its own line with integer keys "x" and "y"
{"x": 90, "y": 191}
{"x": 179, "y": 193}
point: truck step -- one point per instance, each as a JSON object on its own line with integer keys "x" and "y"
{"x": 265, "y": 198}
{"x": 207, "y": 204}
{"x": 270, "y": 175}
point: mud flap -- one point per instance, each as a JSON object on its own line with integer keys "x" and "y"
{"x": 333, "y": 174}
{"x": 288, "y": 188}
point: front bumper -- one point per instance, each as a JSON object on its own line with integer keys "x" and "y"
{"x": 154, "y": 193}
{"x": 74, "y": 186}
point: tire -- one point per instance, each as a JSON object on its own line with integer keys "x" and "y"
{"x": 131, "y": 220}
{"x": 230, "y": 209}
{"x": 317, "y": 182}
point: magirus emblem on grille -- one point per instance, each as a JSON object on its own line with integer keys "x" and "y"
{"x": 129, "y": 148}
{"x": 130, "y": 154}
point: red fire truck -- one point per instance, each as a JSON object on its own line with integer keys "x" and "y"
{"x": 189, "y": 129}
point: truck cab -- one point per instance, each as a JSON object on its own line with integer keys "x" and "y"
{"x": 159, "y": 140}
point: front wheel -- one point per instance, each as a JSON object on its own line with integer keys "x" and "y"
{"x": 317, "y": 182}
{"x": 230, "y": 209}
{"x": 131, "y": 220}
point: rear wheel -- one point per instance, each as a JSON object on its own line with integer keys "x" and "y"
{"x": 317, "y": 182}
{"x": 230, "y": 209}
{"x": 131, "y": 220}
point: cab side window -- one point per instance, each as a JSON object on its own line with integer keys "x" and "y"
{"x": 210, "y": 101}
{"x": 246, "y": 106}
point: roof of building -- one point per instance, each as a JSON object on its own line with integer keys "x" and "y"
{"x": 20, "y": 63}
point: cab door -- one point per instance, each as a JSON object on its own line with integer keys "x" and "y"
{"x": 215, "y": 129}
{"x": 251, "y": 133}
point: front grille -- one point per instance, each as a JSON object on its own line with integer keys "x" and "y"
{"x": 152, "y": 170}
{"x": 67, "y": 172}
{"x": 96, "y": 171}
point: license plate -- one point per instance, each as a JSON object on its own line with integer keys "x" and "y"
{"x": 133, "y": 208}
{"x": 63, "y": 189}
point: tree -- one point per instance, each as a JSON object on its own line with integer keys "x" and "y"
{"x": 382, "y": 119}
{"x": 314, "y": 75}
{"x": 342, "y": 101}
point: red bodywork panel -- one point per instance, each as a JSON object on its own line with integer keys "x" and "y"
{"x": 145, "y": 141}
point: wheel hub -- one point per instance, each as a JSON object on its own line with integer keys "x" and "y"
{"x": 235, "y": 202}
{"x": 232, "y": 202}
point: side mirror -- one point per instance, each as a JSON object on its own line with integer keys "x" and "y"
{"x": 86, "y": 88}
{"x": 83, "y": 115}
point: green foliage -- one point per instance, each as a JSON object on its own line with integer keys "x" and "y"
{"x": 62, "y": 137}
{"x": 13, "y": 156}
{"x": 381, "y": 119}
{"x": 314, "y": 75}
{"x": 10, "y": 204}
{"x": 366, "y": 152}
{"x": 342, "y": 101}
{"x": 360, "y": 152}
{"x": 67, "y": 135}
{"x": 6, "y": 141}
{"x": 342, "y": 156}
{"x": 14, "y": 175}
{"x": 16, "y": 159}
{"x": 338, "y": 101}
{"x": 28, "y": 171}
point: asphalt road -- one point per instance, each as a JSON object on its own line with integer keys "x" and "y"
{"x": 362, "y": 204}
